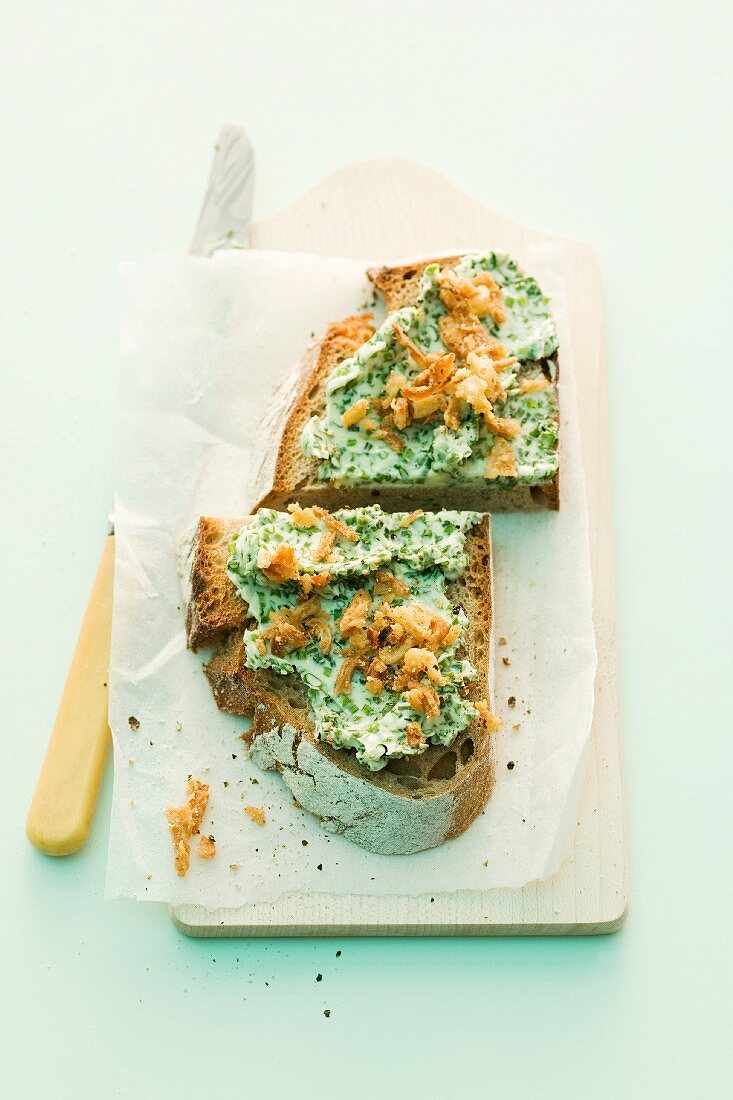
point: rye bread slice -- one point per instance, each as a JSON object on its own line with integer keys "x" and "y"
{"x": 414, "y": 803}
{"x": 285, "y": 474}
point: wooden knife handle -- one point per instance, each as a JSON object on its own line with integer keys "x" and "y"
{"x": 61, "y": 813}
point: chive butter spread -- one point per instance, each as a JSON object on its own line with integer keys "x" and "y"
{"x": 500, "y": 424}
{"x": 355, "y": 604}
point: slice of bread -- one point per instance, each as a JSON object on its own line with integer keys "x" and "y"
{"x": 285, "y": 473}
{"x": 415, "y": 802}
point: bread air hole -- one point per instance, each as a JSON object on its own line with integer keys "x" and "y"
{"x": 466, "y": 751}
{"x": 406, "y": 767}
{"x": 411, "y": 782}
{"x": 444, "y": 768}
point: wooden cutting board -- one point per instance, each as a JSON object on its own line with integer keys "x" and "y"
{"x": 384, "y": 209}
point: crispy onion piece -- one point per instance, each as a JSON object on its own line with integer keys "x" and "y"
{"x": 415, "y": 739}
{"x": 386, "y": 584}
{"x": 484, "y": 367}
{"x": 490, "y": 720}
{"x": 337, "y": 525}
{"x": 345, "y": 675}
{"x": 355, "y": 616}
{"x": 506, "y": 427}
{"x": 280, "y": 565}
{"x": 533, "y": 385}
{"x": 321, "y": 631}
{"x": 302, "y": 517}
{"x": 480, "y": 295}
{"x": 185, "y": 822}
{"x": 355, "y": 412}
{"x": 325, "y": 545}
{"x": 419, "y": 661}
{"x": 502, "y": 461}
{"x": 419, "y": 356}
{"x": 424, "y": 699}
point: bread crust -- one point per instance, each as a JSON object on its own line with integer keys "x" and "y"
{"x": 413, "y": 803}
{"x": 286, "y": 474}
{"x": 213, "y": 607}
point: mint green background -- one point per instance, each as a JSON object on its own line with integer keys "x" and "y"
{"x": 609, "y": 122}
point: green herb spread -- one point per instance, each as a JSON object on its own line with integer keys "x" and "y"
{"x": 431, "y": 452}
{"x": 423, "y": 556}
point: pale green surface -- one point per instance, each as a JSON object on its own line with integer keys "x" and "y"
{"x": 615, "y": 128}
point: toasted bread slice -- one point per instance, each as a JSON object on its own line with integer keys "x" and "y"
{"x": 286, "y": 473}
{"x": 413, "y": 803}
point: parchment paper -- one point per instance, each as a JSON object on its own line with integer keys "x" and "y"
{"x": 203, "y": 343}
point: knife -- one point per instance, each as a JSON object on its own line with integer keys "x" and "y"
{"x": 66, "y": 792}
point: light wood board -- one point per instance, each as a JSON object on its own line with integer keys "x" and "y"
{"x": 384, "y": 209}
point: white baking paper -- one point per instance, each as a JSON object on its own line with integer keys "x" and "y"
{"x": 204, "y": 342}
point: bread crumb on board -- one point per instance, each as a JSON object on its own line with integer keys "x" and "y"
{"x": 256, "y": 813}
{"x": 185, "y": 822}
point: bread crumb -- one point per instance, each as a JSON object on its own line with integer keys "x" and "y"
{"x": 256, "y": 813}
{"x": 505, "y": 661}
{"x": 206, "y": 848}
{"x": 134, "y": 722}
{"x": 502, "y": 641}
{"x": 327, "y": 1012}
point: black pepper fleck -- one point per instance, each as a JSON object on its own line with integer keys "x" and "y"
{"x": 319, "y": 977}
{"x": 510, "y": 765}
